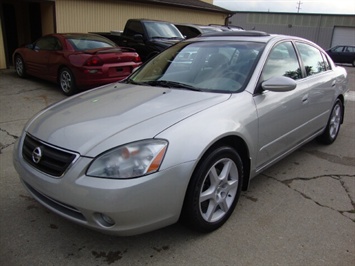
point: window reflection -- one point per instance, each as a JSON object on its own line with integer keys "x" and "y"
{"x": 208, "y": 66}
{"x": 282, "y": 61}
{"x": 312, "y": 59}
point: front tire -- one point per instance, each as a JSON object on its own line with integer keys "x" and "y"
{"x": 332, "y": 129}
{"x": 214, "y": 190}
{"x": 20, "y": 66}
{"x": 67, "y": 82}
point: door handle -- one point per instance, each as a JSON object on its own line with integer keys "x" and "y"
{"x": 305, "y": 99}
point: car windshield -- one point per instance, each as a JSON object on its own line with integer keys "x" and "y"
{"x": 207, "y": 66}
{"x": 162, "y": 30}
{"x": 87, "y": 42}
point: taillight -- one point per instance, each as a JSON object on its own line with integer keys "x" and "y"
{"x": 137, "y": 59}
{"x": 94, "y": 61}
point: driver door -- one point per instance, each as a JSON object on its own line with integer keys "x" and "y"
{"x": 282, "y": 115}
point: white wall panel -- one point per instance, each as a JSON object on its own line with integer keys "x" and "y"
{"x": 343, "y": 35}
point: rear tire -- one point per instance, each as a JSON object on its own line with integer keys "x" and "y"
{"x": 67, "y": 82}
{"x": 331, "y": 131}
{"x": 214, "y": 190}
{"x": 20, "y": 66}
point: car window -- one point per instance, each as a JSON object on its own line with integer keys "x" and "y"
{"x": 282, "y": 61}
{"x": 161, "y": 29}
{"x": 312, "y": 59}
{"x": 87, "y": 42}
{"x": 134, "y": 27}
{"x": 209, "y": 66}
{"x": 326, "y": 62}
{"x": 188, "y": 32}
{"x": 48, "y": 43}
{"x": 338, "y": 49}
{"x": 349, "y": 49}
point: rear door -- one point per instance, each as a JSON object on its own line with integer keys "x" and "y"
{"x": 321, "y": 81}
{"x": 288, "y": 119}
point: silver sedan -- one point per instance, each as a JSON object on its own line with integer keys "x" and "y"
{"x": 183, "y": 135}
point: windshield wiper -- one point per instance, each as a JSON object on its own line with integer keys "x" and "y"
{"x": 171, "y": 84}
{"x": 164, "y": 83}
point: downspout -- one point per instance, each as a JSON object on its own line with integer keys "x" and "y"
{"x": 226, "y": 20}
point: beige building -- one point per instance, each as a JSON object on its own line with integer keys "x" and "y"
{"x": 23, "y": 21}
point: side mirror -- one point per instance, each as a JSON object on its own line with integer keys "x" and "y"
{"x": 279, "y": 84}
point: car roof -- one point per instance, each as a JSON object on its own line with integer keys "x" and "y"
{"x": 238, "y": 33}
{"x": 71, "y": 34}
{"x": 246, "y": 35}
{"x": 257, "y": 36}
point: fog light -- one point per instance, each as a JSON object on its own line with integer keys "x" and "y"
{"x": 104, "y": 220}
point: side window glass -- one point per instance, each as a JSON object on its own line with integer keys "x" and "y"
{"x": 350, "y": 49}
{"x": 338, "y": 49}
{"x": 134, "y": 27}
{"x": 312, "y": 59}
{"x": 41, "y": 44}
{"x": 56, "y": 44}
{"x": 48, "y": 43}
{"x": 326, "y": 62}
{"x": 282, "y": 61}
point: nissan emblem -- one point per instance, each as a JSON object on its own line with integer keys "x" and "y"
{"x": 37, "y": 155}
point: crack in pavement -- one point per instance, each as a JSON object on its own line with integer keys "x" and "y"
{"x": 3, "y": 145}
{"x": 308, "y": 196}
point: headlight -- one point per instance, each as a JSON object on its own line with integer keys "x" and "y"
{"x": 131, "y": 160}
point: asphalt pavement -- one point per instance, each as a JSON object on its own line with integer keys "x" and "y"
{"x": 301, "y": 211}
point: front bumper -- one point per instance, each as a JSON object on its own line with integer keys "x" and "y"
{"x": 120, "y": 207}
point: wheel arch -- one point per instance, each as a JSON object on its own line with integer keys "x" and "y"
{"x": 233, "y": 142}
{"x": 239, "y": 145}
{"x": 342, "y": 100}
{"x": 14, "y": 57}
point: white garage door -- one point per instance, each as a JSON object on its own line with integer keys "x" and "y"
{"x": 343, "y": 35}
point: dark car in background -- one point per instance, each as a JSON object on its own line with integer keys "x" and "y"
{"x": 193, "y": 30}
{"x": 343, "y": 54}
{"x": 147, "y": 37}
{"x": 75, "y": 60}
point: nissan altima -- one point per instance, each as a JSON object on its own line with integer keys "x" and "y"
{"x": 181, "y": 137}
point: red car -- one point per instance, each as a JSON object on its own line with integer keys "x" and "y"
{"x": 75, "y": 60}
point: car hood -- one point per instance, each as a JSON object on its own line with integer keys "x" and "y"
{"x": 112, "y": 115}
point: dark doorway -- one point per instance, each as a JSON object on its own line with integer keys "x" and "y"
{"x": 35, "y": 21}
{"x": 10, "y": 30}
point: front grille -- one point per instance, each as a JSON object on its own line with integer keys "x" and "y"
{"x": 53, "y": 161}
{"x": 57, "y": 205}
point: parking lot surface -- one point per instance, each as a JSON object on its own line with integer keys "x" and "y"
{"x": 301, "y": 211}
